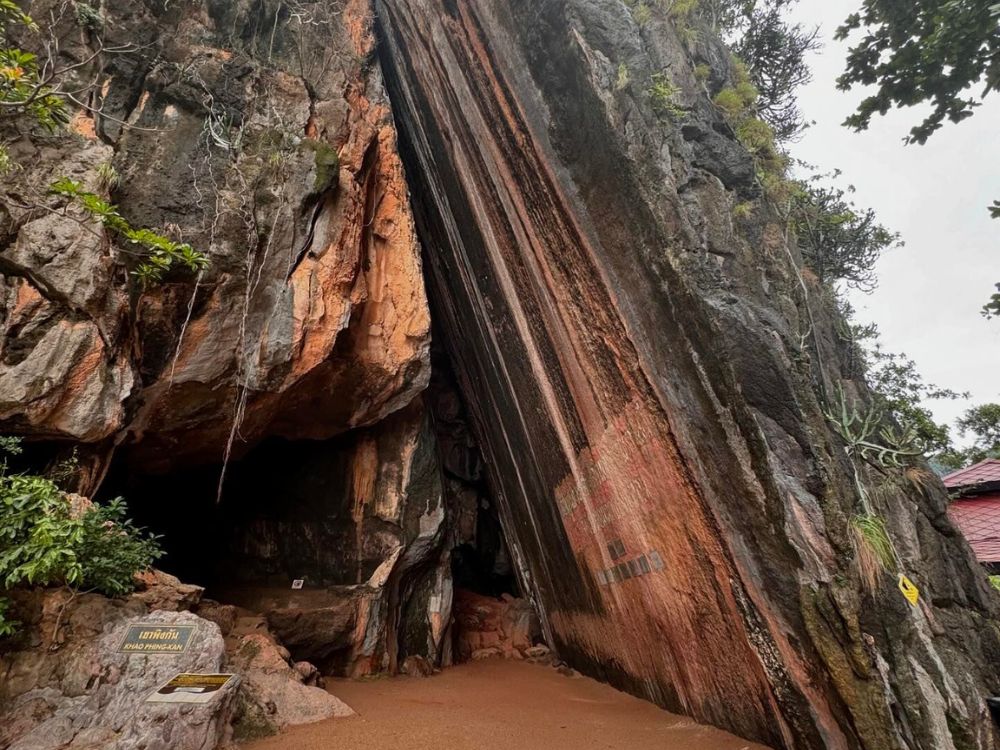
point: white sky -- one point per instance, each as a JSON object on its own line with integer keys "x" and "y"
{"x": 931, "y": 290}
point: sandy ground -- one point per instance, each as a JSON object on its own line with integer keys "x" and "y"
{"x": 498, "y": 705}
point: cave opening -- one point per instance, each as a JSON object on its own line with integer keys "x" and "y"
{"x": 480, "y": 556}
{"x": 309, "y": 525}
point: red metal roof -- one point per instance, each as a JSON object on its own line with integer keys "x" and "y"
{"x": 979, "y": 519}
{"x": 984, "y": 471}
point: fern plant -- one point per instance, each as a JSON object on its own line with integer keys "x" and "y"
{"x": 662, "y": 95}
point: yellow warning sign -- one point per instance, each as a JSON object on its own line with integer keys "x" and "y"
{"x": 910, "y": 591}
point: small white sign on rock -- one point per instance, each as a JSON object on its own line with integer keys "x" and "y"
{"x": 190, "y": 688}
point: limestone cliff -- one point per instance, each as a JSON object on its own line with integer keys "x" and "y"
{"x": 644, "y": 359}
{"x": 648, "y": 369}
{"x": 263, "y": 138}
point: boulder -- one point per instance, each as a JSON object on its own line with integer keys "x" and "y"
{"x": 111, "y": 711}
{"x": 488, "y": 626}
{"x": 273, "y": 693}
{"x": 159, "y": 590}
{"x": 417, "y": 666}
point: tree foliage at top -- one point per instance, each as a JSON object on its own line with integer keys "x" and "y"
{"x": 922, "y": 51}
{"x": 774, "y": 52}
{"x": 839, "y": 241}
{"x": 983, "y": 424}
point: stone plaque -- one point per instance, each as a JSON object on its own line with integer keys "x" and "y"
{"x": 156, "y": 638}
{"x": 190, "y": 688}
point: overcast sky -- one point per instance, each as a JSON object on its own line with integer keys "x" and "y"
{"x": 930, "y": 291}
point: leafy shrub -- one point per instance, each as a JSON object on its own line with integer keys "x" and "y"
{"x": 112, "y": 549}
{"x": 679, "y": 8}
{"x": 158, "y": 253}
{"x": 739, "y": 104}
{"x": 42, "y": 542}
{"x": 641, "y": 11}
{"x": 327, "y": 162}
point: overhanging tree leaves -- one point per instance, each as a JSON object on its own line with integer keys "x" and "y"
{"x": 934, "y": 51}
{"x": 922, "y": 51}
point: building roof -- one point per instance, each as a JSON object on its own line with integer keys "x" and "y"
{"x": 979, "y": 520}
{"x": 981, "y": 473}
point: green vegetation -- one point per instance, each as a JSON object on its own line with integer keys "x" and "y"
{"x": 30, "y": 92}
{"x": 108, "y": 178}
{"x": 873, "y": 546}
{"x": 992, "y": 308}
{"x": 43, "y": 542}
{"x": 742, "y": 210}
{"x": 738, "y": 103}
{"x": 641, "y": 11}
{"x": 983, "y": 424}
{"x": 327, "y": 162}
{"x": 661, "y": 94}
{"x": 922, "y": 51}
{"x": 901, "y": 391}
{"x": 838, "y": 241}
{"x": 24, "y": 89}
{"x": 158, "y": 254}
{"x": 773, "y": 51}
{"x": 622, "y": 79}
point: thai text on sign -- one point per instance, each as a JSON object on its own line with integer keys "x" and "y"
{"x": 155, "y": 638}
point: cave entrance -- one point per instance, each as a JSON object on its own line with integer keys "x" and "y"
{"x": 307, "y": 526}
{"x": 491, "y": 616}
{"x": 285, "y": 514}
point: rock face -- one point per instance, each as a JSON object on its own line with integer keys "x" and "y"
{"x": 647, "y": 371}
{"x": 646, "y": 367}
{"x": 262, "y": 136}
{"x": 264, "y": 140}
{"x": 66, "y": 685}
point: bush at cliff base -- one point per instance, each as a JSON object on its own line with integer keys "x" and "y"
{"x": 44, "y": 542}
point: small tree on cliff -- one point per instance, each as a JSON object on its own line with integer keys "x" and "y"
{"x": 838, "y": 241}
{"x": 33, "y": 92}
{"x": 774, "y": 52}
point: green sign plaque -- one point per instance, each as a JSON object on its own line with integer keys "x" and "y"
{"x": 156, "y": 638}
